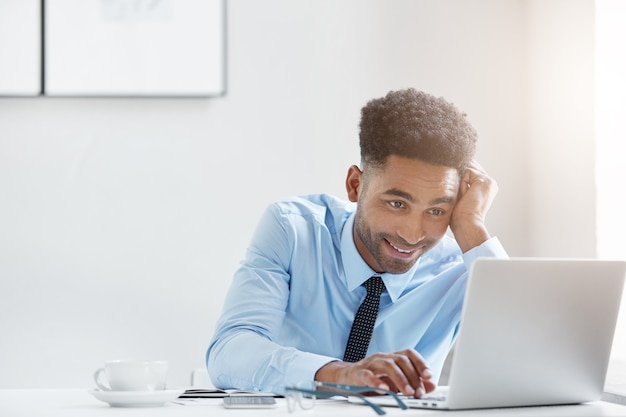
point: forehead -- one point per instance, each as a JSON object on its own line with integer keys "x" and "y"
{"x": 416, "y": 178}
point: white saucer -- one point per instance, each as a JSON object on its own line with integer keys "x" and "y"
{"x": 136, "y": 398}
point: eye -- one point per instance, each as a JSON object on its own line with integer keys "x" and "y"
{"x": 396, "y": 204}
{"x": 437, "y": 212}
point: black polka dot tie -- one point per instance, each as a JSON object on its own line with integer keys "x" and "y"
{"x": 364, "y": 320}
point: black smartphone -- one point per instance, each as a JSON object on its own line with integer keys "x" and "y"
{"x": 249, "y": 401}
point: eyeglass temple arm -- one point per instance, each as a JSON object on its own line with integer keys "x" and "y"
{"x": 330, "y": 394}
{"x": 357, "y": 389}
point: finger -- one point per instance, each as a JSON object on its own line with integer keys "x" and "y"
{"x": 474, "y": 164}
{"x": 405, "y": 371}
{"x": 429, "y": 386}
{"x": 424, "y": 374}
{"x": 419, "y": 363}
{"x": 386, "y": 368}
{"x": 473, "y": 174}
{"x": 469, "y": 177}
{"x": 408, "y": 381}
{"x": 477, "y": 177}
{"x": 368, "y": 378}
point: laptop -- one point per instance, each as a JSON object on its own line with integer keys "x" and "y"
{"x": 534, "y": 331}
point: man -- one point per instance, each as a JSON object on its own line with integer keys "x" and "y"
{"x": 291, "y": 305}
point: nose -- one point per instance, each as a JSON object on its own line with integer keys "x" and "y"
{"x": 412, "y": 230}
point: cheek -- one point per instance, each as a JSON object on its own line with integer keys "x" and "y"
{"x": 377, "y": 218}
{"x": 437, "y": 228}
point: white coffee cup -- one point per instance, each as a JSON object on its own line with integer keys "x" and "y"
{"x": 132, "y": 375}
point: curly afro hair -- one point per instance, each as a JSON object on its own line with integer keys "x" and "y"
{"x": 416, "y": 125}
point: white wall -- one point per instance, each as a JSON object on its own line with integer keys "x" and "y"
{"x": 610, "y": 102}
{"x": 122, "y": 220}
{"x": 561, "y": 166}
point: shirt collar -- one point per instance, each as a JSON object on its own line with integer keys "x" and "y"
{"x": 357, "y": 271}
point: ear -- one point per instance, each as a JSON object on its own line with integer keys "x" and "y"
{"x": 354, "y": 181}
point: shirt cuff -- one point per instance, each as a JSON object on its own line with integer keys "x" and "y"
{"x": 305, "y": 366}
{"x": 491, "y": 248}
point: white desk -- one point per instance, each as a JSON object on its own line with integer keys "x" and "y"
{"x": 79, "y": 403}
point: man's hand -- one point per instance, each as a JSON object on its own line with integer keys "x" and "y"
{"x": 476, "y": 193}
{"x": 404, "y": 371}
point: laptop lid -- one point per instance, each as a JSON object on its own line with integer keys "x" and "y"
{"x": 535, "y": 331}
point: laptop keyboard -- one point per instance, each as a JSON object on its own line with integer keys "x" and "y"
{"x": 432, "y": 399}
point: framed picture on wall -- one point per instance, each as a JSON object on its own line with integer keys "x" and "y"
{"x": 20, "y": 47}
{"x": 134, "y": 48}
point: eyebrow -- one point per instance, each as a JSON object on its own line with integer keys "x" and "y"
{"x": 402, "y": 194}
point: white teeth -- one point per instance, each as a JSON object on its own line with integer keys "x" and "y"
{"x": 400, "y": 250}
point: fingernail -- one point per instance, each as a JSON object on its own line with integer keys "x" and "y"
{"x": 408, "y": 390}
{"x": 383, "y": 386}
{"x": 426, "y": 373}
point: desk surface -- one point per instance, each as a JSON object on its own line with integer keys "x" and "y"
{"x": 78, "y": 402}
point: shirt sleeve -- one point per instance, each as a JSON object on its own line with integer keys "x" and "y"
{"x": 242, "y": 353}
{"x": 491, "y": 248}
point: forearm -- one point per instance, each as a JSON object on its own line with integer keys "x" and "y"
{"x": 469, "y": 235}
{"x": 243, "y": 359}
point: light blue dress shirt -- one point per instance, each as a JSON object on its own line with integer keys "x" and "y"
{"x": 291, "y": 303}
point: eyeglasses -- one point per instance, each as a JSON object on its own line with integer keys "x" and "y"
{"x": 304, "y": 395}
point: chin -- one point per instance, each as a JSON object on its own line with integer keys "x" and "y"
{"x": 398, "y": 268}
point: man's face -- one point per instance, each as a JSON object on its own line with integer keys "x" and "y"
{"x": 404, "y": 209}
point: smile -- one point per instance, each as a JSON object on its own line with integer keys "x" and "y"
{"x": 400, "y": 249}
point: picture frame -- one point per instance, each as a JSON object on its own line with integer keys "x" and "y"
{"x": 163, "y": 48}
{"x": 20, "y": 48}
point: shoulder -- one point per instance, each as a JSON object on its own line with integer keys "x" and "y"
{"x": 318, "y": 208}
{"x": 302, "y": 220}
{"x": 311, "y": 203}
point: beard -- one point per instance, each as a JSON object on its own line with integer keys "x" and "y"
{"x": 376, "y": 242}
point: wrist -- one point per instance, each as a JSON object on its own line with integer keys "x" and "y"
{"x": 330, "y": 372}
{"x": 470, "y": 235}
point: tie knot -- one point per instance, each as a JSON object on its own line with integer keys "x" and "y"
{"x": 374, "y": 286}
